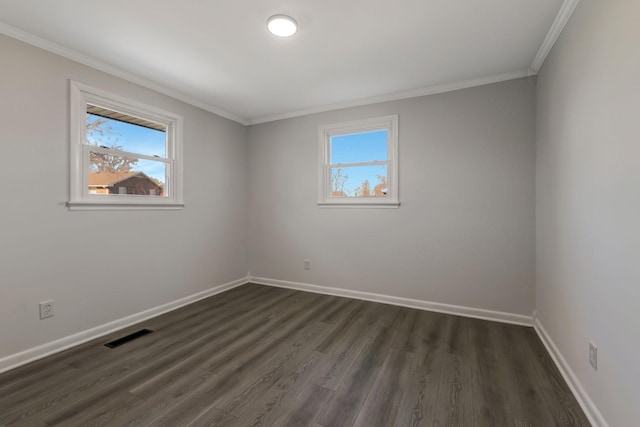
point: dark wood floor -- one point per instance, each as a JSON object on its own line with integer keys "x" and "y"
{"x": 257, "y": 355}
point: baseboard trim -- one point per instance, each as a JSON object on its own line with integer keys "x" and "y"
{"x": 587, "y": 405}
{"x": 477, "y": 313}
{"x": 15, "y": 360}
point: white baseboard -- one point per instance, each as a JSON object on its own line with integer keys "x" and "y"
{"x": 587, "y": 405}
{"x": 35, "y": 353}
{"x": 477, "y": 313}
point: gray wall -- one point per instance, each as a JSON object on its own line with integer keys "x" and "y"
{"x": 48, "y": 252}
{"x": 464, "y": 234}
{"x": 588, "y": 201}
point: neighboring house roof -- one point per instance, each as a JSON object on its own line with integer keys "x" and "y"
{"x": 109, "y": 179}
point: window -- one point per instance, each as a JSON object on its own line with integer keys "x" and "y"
{"x": 124, "y": 154}
{"x": 359, "y": 163}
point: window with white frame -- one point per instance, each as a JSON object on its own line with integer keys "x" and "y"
{"x": 359, "y": 163}
{"x": 124, "y": 154}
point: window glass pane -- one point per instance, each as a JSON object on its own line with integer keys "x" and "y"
{"x": 360, "y": 147}
{"x": 121, "y": 134}
{"x": 112, "y": 174}
{"x": 359, "y": 181}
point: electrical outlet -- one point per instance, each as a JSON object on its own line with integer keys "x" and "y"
{"x": 593, "y": 355}
{"x": 46, "y": 309}
{"x": 307, "y": 264}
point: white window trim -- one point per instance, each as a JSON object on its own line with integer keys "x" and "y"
{"x": 79, "y": 195}
{"x": 325, "y": 199}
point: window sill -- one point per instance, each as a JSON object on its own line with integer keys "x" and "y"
{"x": 368, "y": 205}
{"x": 94, "y": 206}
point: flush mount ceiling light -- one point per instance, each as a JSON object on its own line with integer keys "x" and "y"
{"x": 282, "y": 25}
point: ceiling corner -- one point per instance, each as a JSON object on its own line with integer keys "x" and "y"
{"x": 32, "y": 39}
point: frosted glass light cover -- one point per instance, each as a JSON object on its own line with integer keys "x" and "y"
{"x": 282, "y": 25}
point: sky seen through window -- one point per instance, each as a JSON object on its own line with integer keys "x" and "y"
{"x": 135, "y": 139}
{"x": 360, "y": 148}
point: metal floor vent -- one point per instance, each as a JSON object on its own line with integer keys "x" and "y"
{"x": 130, "y": 337}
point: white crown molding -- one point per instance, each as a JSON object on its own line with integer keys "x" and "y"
{"x": 81, "y": 58}
{"x": 395, "y": 96}
{"x": 552, "y": 36}
{"x": 15, "y": 360}
{"x": 554, "y": 32}
{"x": 587, "y": 405}
{"x": 477, "y": 313}
{"x": 89, "y": 61}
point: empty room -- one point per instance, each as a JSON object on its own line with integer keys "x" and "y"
{"x": 337, "y": 213}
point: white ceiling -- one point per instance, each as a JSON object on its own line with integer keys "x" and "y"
{"x": 218, "y": 55}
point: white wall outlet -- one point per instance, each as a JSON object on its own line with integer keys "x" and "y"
{"x": 593, "y": 355}
{"x": 307, "y": 264}
{"x": 46, "y": 309}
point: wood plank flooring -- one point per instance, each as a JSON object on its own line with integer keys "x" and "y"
{"x": 262, "y": 356}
